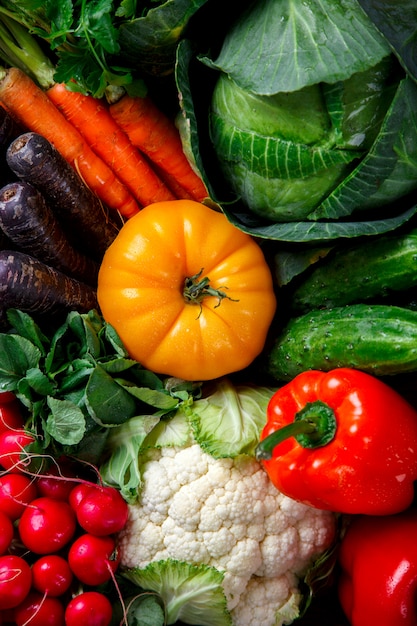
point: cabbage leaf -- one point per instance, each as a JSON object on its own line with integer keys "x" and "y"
{"x": 396, "y": 20}
{"x": 196, "y": 83}
{"x": 287, "y": 45}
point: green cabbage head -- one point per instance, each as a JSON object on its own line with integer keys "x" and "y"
{"x": 312, "y": 115}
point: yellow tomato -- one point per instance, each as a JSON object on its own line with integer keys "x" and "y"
{"x": 190, "y": 295}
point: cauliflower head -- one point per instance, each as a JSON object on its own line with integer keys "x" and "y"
{"x": 218, "y": 541}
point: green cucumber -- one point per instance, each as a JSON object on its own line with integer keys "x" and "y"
{"x": 371, "y": 269}
{"x": 378, "y": 339}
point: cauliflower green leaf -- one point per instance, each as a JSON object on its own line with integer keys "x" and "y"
{"x": 228, "y": 420}
{"x": 187, "y": 591}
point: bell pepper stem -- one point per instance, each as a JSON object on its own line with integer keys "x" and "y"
{"x": 313, "y": 426}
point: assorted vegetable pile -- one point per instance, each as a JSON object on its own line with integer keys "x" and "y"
{"x": 208, "y": 314}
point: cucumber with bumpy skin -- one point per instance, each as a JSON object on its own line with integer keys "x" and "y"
{"x": 378, "y": 339}
{"x": 359, "y": 272}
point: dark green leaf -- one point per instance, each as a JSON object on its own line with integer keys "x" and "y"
{"x": 96, "y": 23}
{"x": 56, "y": 357}
{"x": 60, "y": 15}
{"x": 146, "y": 610}
{"x": 107, "y": 401}
{"x": 76, "y": 376}
{"x": 146, "y": 378}
{"x": 156, "y": 399}
{"x": 397, "y": 21}
{"x": 126, "y": 9}
{"x": 317, "y": 231}
{"x": 23, "y": 391}
{"x": 39, "y": 382}
{"x": 91, "y": 447}
{"x": 17, "y": 355}
{"x": 85, "y": 333}
{"x": 114, "y": 340}
{"x": 288, "y": 264}
{"x": 25, "y": 326}
{"x": 362, "y": 188}
{"x": 66, "y": 422}
{"x": 287, "y": 45}
{"x": 115, "y": 366}
{"x": 150, "y": 41}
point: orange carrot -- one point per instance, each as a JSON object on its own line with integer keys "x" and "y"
{"x": 30, "y": 106}
{"x": 92, "y": 119}
{"x": 150, "y": 130}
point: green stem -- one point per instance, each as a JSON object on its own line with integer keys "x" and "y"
{"x": 314, "y": 426}
{"x": 197, "y": 288}
{"x": 20, "y": 49}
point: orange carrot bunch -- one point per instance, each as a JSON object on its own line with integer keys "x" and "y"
{"x": 130, "y": 154}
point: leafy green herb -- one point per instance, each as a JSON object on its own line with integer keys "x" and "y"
{"x": 79, "y": 383}
{"x": 97, "y": 46}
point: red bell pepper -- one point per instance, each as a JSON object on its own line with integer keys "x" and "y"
{"x": 341, "y": 440}
{"x": 378, "y": 562}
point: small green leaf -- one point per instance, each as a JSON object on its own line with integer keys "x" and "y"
{"x": 107, "y": 401}
{"x": 156, "y": 399}
{"x": 96, "y": 20}
{"x": 66, "y": 422}
{"x": 77, "y": 376}
{"x": 60, "y": 13}
{"x": 146, "y": 610}
{"x": 25, "y": 326}
{"x": 18, "y": 354}
{"x": 85, "y": 333}
{"x": 113, "y": 338}
{"x": 115, "y": 366}
{"x": 39, "y": 382}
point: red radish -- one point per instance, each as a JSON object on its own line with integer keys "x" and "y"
{"x": 51, "y": 575}
{"x": 47, "y": 525}
{"x": 6, "y": 532}
{"x": 78, "y": 492}
{"x": 12, "y": 449}
{"x": 15, "y": 580}
{"x": 54, "y": 484}
{"x": 90, "y": 608}
{"x": 93, "y": 559}
{"x": 6, "y": 397}
{"x": 38, "y": 610}
{"x": 10, "y": 414}
{"x": 16, "y": 491}
{"x": 102, "y": 511}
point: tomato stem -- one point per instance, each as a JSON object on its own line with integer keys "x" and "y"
{"x": 313, "y": 426}
{"x": 197, "y": 288}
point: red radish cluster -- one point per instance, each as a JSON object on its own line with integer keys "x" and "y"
{"x": 57, "y": 539}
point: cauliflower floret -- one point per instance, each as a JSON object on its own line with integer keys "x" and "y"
{"x": 225, "y": 513}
